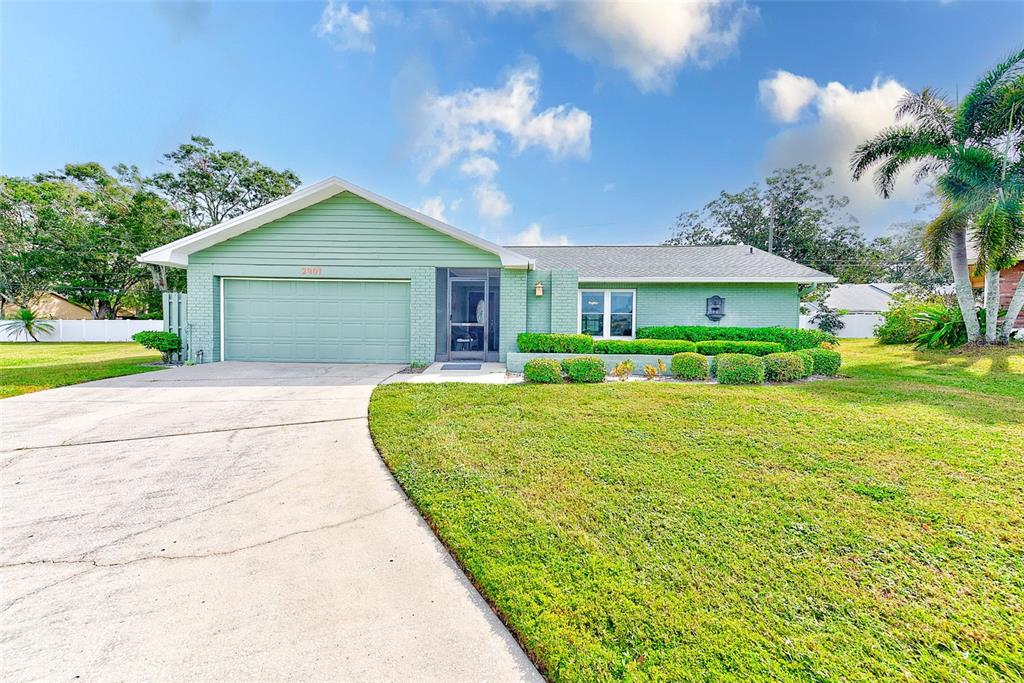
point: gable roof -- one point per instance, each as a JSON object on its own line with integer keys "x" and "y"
{"x": 870, "y": 298}
{"x": 176, "y": 253}
{"x": 658, "y": 263}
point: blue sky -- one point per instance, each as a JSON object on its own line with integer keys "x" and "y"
{"x": 554, "y": 122}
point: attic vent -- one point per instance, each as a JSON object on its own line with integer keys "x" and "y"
{"x": 715, "y": 308}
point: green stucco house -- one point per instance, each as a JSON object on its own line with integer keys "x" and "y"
{"x": 334, "y": 273}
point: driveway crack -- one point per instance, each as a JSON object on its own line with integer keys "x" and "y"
{"x": 176, "y": 434}
{"x": 96, "y": 564}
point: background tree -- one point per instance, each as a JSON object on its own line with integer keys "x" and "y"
{"x": 899, "y": 257}
{"x": 791, "y": 214}
{"x": 105, "y": 223}
{"x": 209, "y": 186}
{"x": 28, "y": 216}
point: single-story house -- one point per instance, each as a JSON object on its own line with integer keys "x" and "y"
{"x": 51, "y": 306}
{"x": 336, "y": 273}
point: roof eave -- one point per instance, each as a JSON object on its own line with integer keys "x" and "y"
{"x": 800, "y": 280}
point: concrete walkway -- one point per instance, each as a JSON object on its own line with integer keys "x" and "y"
{"x": 224, "y": 522}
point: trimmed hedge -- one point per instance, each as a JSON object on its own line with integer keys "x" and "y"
{"x": 752, "y": 348}
{"x": 739, "y": 368}
{"x": 653, "y": 347}
{"x": 532, "y": 342}
{"x": 543, "y": 371}
{"x": 689, "y": 365}
{"x": 807, "y": 356}
{"x": 791, "y": 338}
{"x": 584, "y": 369}
{"x": 783, "y": 367}
{"x": 826, "y": 362}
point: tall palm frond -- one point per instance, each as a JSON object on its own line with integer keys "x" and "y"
{"x": 979, "y": 105}
{"x": 929, "y": 109}
{"x": 896, "y": 147}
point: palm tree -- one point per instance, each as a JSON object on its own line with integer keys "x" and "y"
{"x": 954, "y": 143}
{"x": 28, "y": 323}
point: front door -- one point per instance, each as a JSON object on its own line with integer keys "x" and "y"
{"x": 467, "y": 317}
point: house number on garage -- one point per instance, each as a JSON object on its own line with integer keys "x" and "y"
{"x": 311, "y": 270}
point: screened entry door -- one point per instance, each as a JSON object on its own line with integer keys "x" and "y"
{"x": 468, "y": 309}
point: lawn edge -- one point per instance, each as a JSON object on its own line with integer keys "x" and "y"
{"x": 495, "y": 609}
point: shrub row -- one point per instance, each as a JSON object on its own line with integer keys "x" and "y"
{"x": 652, "y": 347}
{"x": 728, "y": 368}
{"x": 752, "y": 348}
{"x": 530, "y": 342}
{"x": 791, "y": 338}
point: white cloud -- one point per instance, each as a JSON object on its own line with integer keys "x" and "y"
{"x": 471, "y": 122}
{"x": 651, "y": 41}
{"x": 434, "y": 207}
{"x": 841, "y": 119}
{"x": 533, "y": 236}
{"x": 491, "y": 202}
{"x": 785, "y": 95}
{"x": 479, "y": 167}
{"x": 346, "y": 29}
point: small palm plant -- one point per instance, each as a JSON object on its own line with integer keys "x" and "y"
{"x": 27, "y": 323}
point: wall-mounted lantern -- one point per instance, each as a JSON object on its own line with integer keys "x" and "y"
{"x": 538, "y": 289}
{"x": 715, "y": 308}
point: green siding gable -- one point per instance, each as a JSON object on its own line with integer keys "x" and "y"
{"x": 345, "y": 231}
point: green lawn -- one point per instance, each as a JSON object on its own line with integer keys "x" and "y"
{"x": 26, "y": 367}
{"x": 844, "y": 530}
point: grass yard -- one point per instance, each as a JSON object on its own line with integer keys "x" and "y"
{"x": 27, "y": 367}
{"x": 859, "y": 529}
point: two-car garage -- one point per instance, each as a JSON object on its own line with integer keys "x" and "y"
{"x": 315, "y": 320}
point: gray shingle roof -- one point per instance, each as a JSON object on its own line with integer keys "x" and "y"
{"x": 731, "y": 263}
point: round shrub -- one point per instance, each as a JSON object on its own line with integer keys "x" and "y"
{"x": 783, "y": 367}
{"x": 826, "y": 362}
{"x": 690, "y": 366}
{"x": 167, "y": 343}
{"x": 739, "y": 368}
{"x": 543, "y": 371}
{"x": 584, "y": 369}
{"x": 808, "y": 360}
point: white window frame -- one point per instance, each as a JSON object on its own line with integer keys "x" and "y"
{"x": 607, "y": 322}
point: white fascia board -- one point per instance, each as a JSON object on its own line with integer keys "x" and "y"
{"x": 753, "y": 279}
{"x": 176, "y": 253}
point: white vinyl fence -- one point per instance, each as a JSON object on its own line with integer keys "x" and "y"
{"x": 857, "y": 325}
{"x": 91, "y": 330}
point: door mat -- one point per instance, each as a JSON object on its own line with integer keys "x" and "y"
{"x": 461, "y": 366}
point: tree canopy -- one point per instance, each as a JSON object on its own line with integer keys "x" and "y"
{"x": 78, "y": 231}
{"x": 209, "y": 186}
{"x": 804, "y": 222}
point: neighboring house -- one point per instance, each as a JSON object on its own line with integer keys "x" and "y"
{"x": 52, "y": 306}
{"x": 1008, "y": 279}
{"x": 861, "y": 307}
{"x": 335, "y": 273}
{"x": 870, "y": 298}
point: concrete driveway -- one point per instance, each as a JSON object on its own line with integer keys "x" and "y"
{"x": 225, "y": 522}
